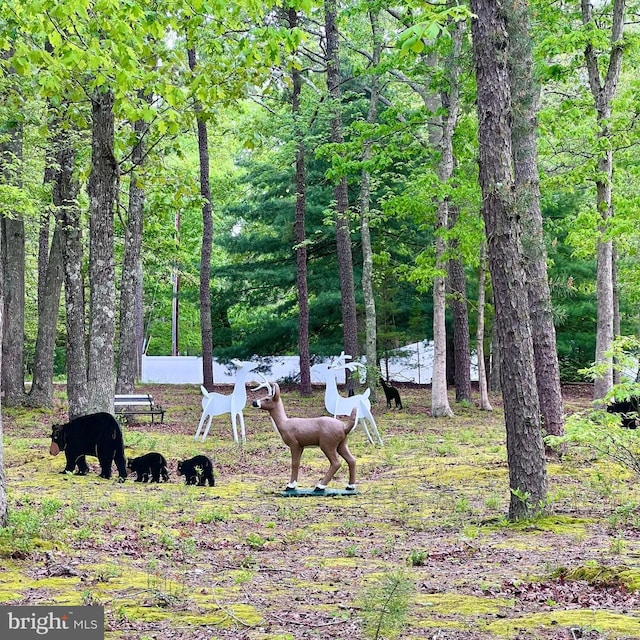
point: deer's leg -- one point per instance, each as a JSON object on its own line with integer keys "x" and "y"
{"x": 234, "y": 427}
{"x": 366, "y": 429}
{"x": 374, "y": 427}
{"x": 343, "y": 450}
{"x": 206, "y": 431}
{"x": 296, "y": 454}
{"x": 334, "y": 465}
{"x": 202, "y": 419}
{"x": 243, "y": 435}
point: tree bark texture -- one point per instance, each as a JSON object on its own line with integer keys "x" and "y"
{"x": 129, "y": 345}
{"x": 67, "y": 214}
{"x": 525, "y": 449}
{"x": 603, "y": 92}
{"x": 343, "y": 234}
{"x": 524, "y": 100}
{"x": 299, "y": 227}
{"x": 439, "y": 398}
{"x": 483, "y": 386}
{"x": 494, "y": 373}
{"x": 50, "y": 277}
{"x": 4, "y": 507}
{"x": 44, "y": 233}
{"x": 206, "y": 329}
{"x": 41, "y": 392}
{"x": 102, "y": 187}
{"x": 617, "y": 374}
{"x": 13, "y": 258}
{"x": 68, "y": 218}
{"x": 460, "y": 312}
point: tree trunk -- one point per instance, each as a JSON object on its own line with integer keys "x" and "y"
{"x": 525, "y": 449}
{"x": 43, "y": 239}
{"x": 458, "y": 294}
{"x": 603, "y": 92}
{"x": 524, "y": 99}
{"x": 207, "y": 242}
{"x": 44, "y": 231}
{"x": 299, "y": 227}
{"x": 485, "y": 405}
{"x": 604, "y": 295}
{"x": 494, "y": 374}
{"x": 439, "y": 398}
{"x": 41, "y": 392}
{"x": 50, "y": 278}
{"x": 65, "y": 189}
{"x": 343, "y": 235}
{"x": 617, "y": 374}
{"x": 129, "y": 346}
{"x": 4, "y": 507}
{"x": 371, "y": 324}
{"x": 450, "y": 106}
{"x": 13, "y": 258}
{"x": 102, "y": 187}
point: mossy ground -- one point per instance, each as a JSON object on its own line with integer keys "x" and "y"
{"x": 238, "y": 561}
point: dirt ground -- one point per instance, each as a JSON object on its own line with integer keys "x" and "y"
{"x": 422, "y": 550}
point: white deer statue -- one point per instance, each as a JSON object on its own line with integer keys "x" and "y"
{"x": 338, "y": 405}
{"x": 217, "y": 404}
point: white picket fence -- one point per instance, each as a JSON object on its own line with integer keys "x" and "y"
{"x": 412, "y": 363}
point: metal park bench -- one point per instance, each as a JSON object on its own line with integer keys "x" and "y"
{"x": 137, "y": 404}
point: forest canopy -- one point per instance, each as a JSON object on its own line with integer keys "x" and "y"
{"x": 57, "y": 56}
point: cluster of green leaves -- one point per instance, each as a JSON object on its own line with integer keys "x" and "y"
{"x": 60, "y": 51}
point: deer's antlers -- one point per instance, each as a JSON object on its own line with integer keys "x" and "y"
{"x": 264, "y": 385}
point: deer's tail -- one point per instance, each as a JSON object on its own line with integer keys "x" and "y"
{"x": 351, "y": 421}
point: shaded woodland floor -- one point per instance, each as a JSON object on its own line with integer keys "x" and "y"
{"x": 422, "y": 551}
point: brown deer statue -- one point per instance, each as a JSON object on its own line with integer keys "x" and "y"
{"x": 328, "y": 433}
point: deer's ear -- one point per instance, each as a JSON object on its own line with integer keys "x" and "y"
{"x": 276, "y": 390}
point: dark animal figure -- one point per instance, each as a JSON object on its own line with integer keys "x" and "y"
{"x": 197, "y": 470}
{"x": 628, "y": 410}
{"x": 96, "y": 434}
{"x": 150, "y": 467}
{"x": 391, "y": 393}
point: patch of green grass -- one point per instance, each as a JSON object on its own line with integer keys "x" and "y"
{"x": 607, "y": 624}
{"x": 453, "y": 604}
{"x": 213, "y": 514}
{"x": 431, "y": 503}
{"x": 604, "y": 576}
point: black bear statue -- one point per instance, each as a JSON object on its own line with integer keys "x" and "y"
{"x": 96, "y": 434}
{"x": 150, "y": 467}
{"x": 197, "y": 470}
{"x": 629, "y": 410}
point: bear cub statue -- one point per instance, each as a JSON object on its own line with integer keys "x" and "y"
{"x": 151, "y": 467}
{"x": 628, "y": 408}
{"x": 96, "y": 434}
{"x": 197, "y": 470}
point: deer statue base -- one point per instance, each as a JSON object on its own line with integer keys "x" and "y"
{"x": 314, "y": 493}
